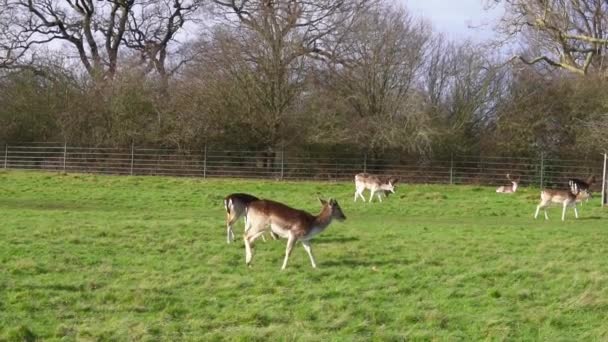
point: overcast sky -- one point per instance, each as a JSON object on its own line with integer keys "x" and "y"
{"x": 455, "y": 17}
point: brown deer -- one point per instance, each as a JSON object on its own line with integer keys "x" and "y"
{"x": 564, "y": 197}
{"x": 576, "y": 185}
{"x": 293, "y": 224}
{"x": 374, "y": 184}
{"x": 236, "y": 207}
{"x": 509, "y": 189}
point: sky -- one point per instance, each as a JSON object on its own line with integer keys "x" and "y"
{"x": 456, "y": 18}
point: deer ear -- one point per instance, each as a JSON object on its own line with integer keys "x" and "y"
{"x": 324, "y": 202}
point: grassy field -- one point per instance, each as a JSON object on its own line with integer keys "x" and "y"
{"x": 86, "y": 257}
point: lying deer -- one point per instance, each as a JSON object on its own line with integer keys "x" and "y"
{"x": 292, "y": 224}
{"x": 236, "y": 207}
{"x": 374, "y": 184}
{"x": 564, "y": 197}
{"x": 509, "y": 189}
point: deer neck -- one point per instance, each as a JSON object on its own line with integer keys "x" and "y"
{"x": 324, "y": 218}
{"x": 514, "y": 186}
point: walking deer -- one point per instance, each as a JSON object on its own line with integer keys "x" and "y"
{"x": 509, "y": 189}
{"x": 292, "y": 224}
{"x": 564, "y": 197}
{"x": 576, "y": 184}
{"x": 236, "y": 207}
{"x": 374, "y": 184}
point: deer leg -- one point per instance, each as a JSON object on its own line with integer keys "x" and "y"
{"x": 291, "y": 241}
{"x": 379, "y": 195}
{"x": 229, "y": 232}
{"x": 546, "y": 216}
{"x": 537, "y": 210}
{"x": 306, "y": 245}
{"x": 575, "y": 212}
{"x": 248, "y": 253}
{"x": 371, "y": 196}
{"x": 249, "y": 239}
{"x": 564, "y": 211}
{"x": 361, "y": 195}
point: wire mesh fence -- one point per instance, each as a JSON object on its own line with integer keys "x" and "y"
{"x": 297, "y": 165}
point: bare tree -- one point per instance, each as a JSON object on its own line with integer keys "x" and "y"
{"x": 93, "y": 28}
{"x": 277, "y": 39}
{"x": 101, "y": 32}
{"x": 153, "y": 26}
{"x": 567, "y": 34}
{"x": 385, "y": 50}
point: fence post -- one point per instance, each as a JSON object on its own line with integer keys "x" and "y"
{"x": 5, "y": 155}
{"x": 205, "y": 162}
{"x": 365, "y": 162}
{"x": 132, "y": 157}
{"x": 542, "y": 169}
{"x": 604, "y": 181}
{"x": 451, "y": 168}
{"x": 65, "y": 154}
{"x": 282, "y": 162}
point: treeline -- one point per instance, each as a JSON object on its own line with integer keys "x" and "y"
{"x": 329, "y": 75}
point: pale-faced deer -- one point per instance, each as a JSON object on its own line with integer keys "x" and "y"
{"x": 374, "y": 184}
{"x": 293, "y": 224}
{"x": 236, "y": 207}
{"x": 509, "y": 189}
{"x": 566, "y": 198}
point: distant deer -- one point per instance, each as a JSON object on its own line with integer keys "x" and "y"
{"x": 577, "y": 185}
{"x": 564, "y": 197}
{"x": 292, "y": 224}
{"x": 374, "y": 184}
{"x": 236, "y": 207}
{"x": 509, "y": 189}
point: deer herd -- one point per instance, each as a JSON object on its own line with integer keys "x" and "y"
{"x": 281, "y": 221}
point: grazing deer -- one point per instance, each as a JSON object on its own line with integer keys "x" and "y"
{"x": 577, "y": 185}
{"x": 374, "y": 184}
{"x": 564, "y": 197}
{"x": 509, "y": 189}
{"x": 292, "y": 224}
{"x": 236, "y": 207}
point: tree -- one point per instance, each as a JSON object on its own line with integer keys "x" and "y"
{"x": 99, "y": 31}
{"x": 151, "y": 30}
{"x": 276, "y": 42}
{"x": 567, "y": 34}
{"x": 384, "y": 49}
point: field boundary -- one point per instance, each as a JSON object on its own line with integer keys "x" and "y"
{"x": 295, "y": 165}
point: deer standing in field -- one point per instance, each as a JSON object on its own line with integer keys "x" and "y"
{"x": 293, "y": 224}
{"x": 236, "y": 207}
{"x": 374, "y": 184}
{"x": 577, "y": 185}
{"x": 566, "y": 198}
{"x": 509, "y": 189}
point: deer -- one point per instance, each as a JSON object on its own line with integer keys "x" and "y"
{"x": 289, "y": 223}
{"x": 576, "y": 184}
{"x": 509, "y": 189}
{"x": 236, "y": 207}
{"x": 374, "y": 184}
{"x": 566, "y": 198}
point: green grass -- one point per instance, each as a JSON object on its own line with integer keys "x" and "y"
{"x": 87, "y": 257}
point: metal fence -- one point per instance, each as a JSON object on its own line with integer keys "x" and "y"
{"x": 296, "y": 165}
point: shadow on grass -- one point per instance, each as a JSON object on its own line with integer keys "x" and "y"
{"x": 363, "y": 263}
{"x": 48, "y": 205}
{"x": 335, "y": 239}
{"x": 55, "y": 287}
{"x": 590, "y": 218}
